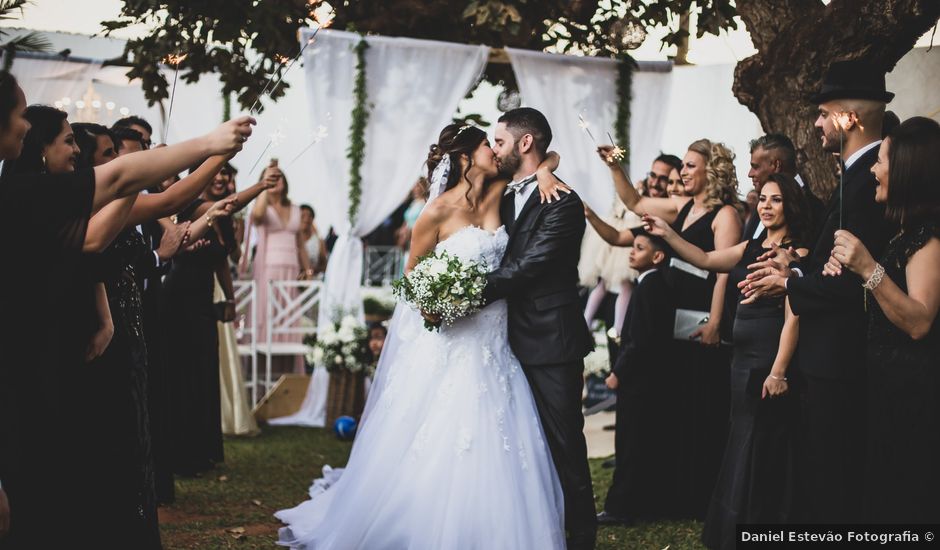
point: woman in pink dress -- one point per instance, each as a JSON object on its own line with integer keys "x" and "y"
{"x": 280, "y": 253}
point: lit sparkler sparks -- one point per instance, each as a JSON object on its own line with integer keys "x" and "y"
{"x": 617, "y": 153}
{"x": 175, "y": 60}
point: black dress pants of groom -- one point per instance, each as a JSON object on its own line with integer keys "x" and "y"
{"x": 557, "y": 391}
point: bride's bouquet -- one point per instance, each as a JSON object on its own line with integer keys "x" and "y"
{"x": 444, "y": 285}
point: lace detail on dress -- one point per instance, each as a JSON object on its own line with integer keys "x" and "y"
{"x": 444, "y": 407}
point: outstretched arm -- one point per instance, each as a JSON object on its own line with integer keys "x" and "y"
{"x": 107, "y": 223}
{"x": 666, "y": 208}
{"x": 159, "y": 205}
{"x": 137, "y": 171}
{"x": 613, "y": 236}
{"x": 720, "y": 261}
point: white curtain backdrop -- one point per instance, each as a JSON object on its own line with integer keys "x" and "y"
{"x": 564, "y": 87}
{"x": 414, "y": 87}
{"x": 49, "y": 80}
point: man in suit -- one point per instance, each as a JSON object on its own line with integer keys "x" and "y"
{"x": 832, "y": 313}
{"x": 773, "y": 154}
{"x": 642, "y": 473}
{"x": 538, "y": 277}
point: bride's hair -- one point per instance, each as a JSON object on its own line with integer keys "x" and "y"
{"x": 455, "y": 140}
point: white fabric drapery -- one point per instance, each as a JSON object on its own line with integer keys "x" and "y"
{"x": 414, "y": 87}
{"x": 563, "y": 87}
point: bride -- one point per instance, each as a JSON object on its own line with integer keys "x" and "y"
{"x": 450, "y": 452}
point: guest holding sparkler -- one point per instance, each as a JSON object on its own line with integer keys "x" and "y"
{"x": 46, "y": 232}
{"x": 710, "y": 218}
{"x": 832, "y": 309}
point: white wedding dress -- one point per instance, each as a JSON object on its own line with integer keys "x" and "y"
{"x": 450, "y": 452}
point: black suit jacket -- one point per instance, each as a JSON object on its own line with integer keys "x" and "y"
{"x": 538, "y": 277}
{"x": 647, "y": 328}
{"x": 833, "y": 320}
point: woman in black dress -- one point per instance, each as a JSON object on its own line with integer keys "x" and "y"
{"x": 190, "y": 318}
{"x": 757, "y": 471}
{"x": 903, "y": 299}
{"x": 45, "y": 231}
{"x": 710, "y": 218}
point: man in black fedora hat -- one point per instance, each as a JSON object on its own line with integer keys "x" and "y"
{"x": 831, "y": 355}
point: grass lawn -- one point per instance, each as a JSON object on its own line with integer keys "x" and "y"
{"x": 232, "y": 506}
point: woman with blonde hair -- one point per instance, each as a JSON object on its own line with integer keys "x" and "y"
{"x": 709, "y": 216}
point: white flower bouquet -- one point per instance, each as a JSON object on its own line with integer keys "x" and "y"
{"x": 343, "y": 344}
{"x": 444, "y": 285}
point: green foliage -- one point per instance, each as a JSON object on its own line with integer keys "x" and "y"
{"x": 357, "y": 130}
{"x": 624, "y": 96}
{"x": 245, "y": 42}
{"x": 28, "y": 42}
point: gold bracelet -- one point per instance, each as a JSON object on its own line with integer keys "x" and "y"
{"x": 208, "y": 220}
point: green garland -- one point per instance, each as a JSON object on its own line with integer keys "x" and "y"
{"x": 357, "y": 129}
{"x": 625, "y": 69}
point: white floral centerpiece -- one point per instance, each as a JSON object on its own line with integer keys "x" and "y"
{"x": 342, "y": 345}
{"x": 597, "y": 363}
{"x": 444, "y": 285}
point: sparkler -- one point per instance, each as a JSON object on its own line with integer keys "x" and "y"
{"x": 174, "y": 60}
{"x": 841, "y": 121}
{"x": 290, "y": 63}
{"x": 584, "y": 126}
{"x": 617, "y": 153}
{"x": 317, "y": 138}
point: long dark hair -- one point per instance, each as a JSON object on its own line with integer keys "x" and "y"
{"x": 86, "y": 136}
{"x": 796, "y": 211}
{"x": 455, "y": 140}
{"x": 8, "y": 98}
{"x": 46, "y": 125}
{"x": 914, "y": 173}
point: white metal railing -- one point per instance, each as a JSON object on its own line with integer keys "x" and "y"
{"x": 246, "y": 329}
{"x": 287, "y": 320}
{"x": 381, "y": 265}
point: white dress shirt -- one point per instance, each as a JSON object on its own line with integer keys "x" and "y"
{"x": 523, "y": 195}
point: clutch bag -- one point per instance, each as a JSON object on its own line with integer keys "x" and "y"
{"x": 687, "y": 322}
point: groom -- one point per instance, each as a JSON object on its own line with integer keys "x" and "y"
{"x": 538, "y": 277}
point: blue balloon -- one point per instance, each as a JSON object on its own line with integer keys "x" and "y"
{"x": 345, "y": 427}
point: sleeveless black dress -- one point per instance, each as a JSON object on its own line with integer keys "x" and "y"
{"x": 702, "y": 381}
{"x": 42, "y": 230}
{"x": 192, "y": 338}
{"x": 757, "y": 472}
{"x": 903, "y": 478}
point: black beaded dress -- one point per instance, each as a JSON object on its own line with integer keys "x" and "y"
{"x": 903, "y": 478}
{"x": 121, "y": 470}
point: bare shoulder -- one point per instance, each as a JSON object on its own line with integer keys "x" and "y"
{"x": 726, "y": 214}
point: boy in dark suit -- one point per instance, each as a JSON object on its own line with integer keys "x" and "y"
{"x": 639, "y": 379}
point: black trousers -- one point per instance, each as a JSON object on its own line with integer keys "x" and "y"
{"x": 557, "y": 392}
{"x": 832, "y": 456}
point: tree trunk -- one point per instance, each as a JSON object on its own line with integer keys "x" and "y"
{"x": 796, "y": 41}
